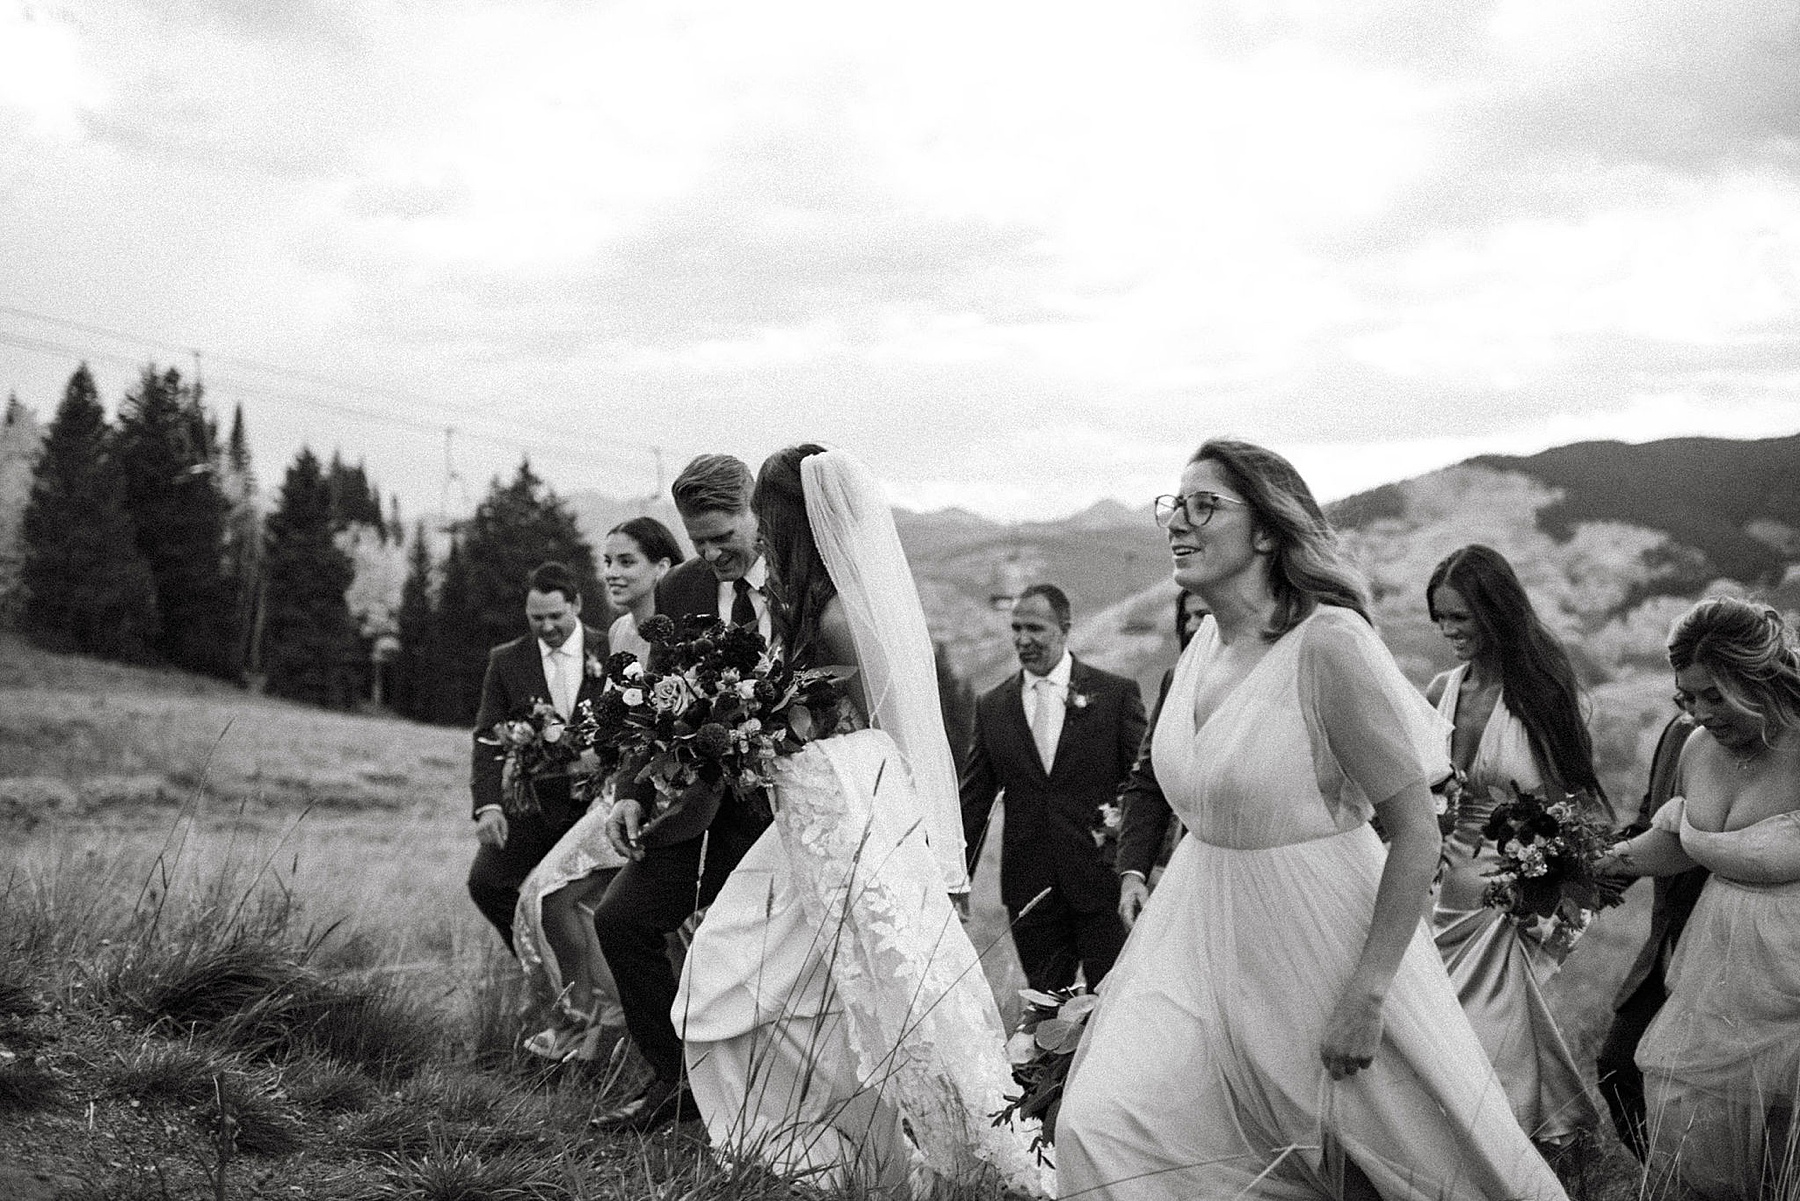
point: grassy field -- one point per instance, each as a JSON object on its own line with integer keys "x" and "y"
{"x": 158, "y": 828}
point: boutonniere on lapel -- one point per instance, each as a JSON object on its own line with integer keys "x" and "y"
{"x": 595, "y": 667}
{"x": 1076, "y": 702}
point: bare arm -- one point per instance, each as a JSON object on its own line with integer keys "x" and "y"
{"x": 1353, "y": 1033}
{"x": 1652, "y": 853}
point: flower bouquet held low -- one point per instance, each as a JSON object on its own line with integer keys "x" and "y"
{"x": 1040, "y": 1050}
{"x": 1549, "y": 851}
{"x": 710, "y": 720}
{"x": 537, "y": 746}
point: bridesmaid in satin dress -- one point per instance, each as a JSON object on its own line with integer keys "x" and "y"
{"x": 1517, "y": 716}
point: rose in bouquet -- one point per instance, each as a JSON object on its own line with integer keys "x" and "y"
{"x": 533, "y": 747}
{"x": 1549, "y": 850}
{"x": 1041, "y": 1049}
{"x": 713, "y": 716}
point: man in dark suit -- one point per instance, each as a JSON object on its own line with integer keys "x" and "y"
{"x": 1059, "y": 737}
{"x": 1643, "y": 992}
{"x": 553, "y": 663}
{"x": 680, "y": 860}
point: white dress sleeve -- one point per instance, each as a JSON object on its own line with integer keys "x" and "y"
{"x": 1373, "y": 734}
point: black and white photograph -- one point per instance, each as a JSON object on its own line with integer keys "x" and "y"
{"x": 797, "y": 601}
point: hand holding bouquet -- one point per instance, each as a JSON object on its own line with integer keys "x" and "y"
{"x": 1548, "y": 879}
{"x": 537, "y": 745}
{"x": 712, "y": 718}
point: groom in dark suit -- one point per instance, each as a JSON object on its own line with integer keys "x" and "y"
{"x": 681, "y": 859}
{"x": 553, "y": 663}
{"x": 1060, "y": 738}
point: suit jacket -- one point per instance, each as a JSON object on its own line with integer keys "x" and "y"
{"x": 1050, "y": 816}
{"x": 1144, "y": 827}
{"x": 691, "y": 589}
{"x": 514, "y": 679}
{"x": 1674, "y": 898}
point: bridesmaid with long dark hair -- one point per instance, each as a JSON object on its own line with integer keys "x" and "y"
{"x": 1516, "y": 712}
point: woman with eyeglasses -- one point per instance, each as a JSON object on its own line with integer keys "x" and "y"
{"x": 1279, "y": 1024}
{"x": 1721, "y": 1061}
{"x": 1516, "y": 712}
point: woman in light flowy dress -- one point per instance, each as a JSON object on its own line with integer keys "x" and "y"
{"x": 553, "y": 926}
{"x": 1721, "y": 1061}
{"x": 1280, "y": 1024}
{"x": 1517, "y": 715}
{"x": 836, "y": 1020}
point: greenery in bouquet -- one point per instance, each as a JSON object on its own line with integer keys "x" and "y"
{"x": 535, "y": 746}
{"x": 713, "y": 716}
{"x": 1040, "y": 1050}
{"x": 1548, "y": 851}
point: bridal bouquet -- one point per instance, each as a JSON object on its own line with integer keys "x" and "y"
{"x": 1040, "y": 1050}
{"x": 1546, "y": 880}
{"x": 714, "y": 716}
{"x": 538, "y": 745}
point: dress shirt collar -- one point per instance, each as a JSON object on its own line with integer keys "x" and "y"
{"x": 1059, "y": 675}
{"x": 572, "y": 644}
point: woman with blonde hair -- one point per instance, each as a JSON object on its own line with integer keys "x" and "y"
{"x": 1721, "y": 1061}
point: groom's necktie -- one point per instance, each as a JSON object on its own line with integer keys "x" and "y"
{"x": 743, "y": 612}
{"x": 1043, "y": 695}
{"x": 559, "y": 681}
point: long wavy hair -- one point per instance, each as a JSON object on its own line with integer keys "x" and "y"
{"x": 1750, "y": 653}
{"x": 1537, "y": 679}
{"x": 799, "y": 586}
{"x": 1306, "y": 566}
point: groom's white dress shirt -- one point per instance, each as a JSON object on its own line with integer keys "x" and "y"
{"x": 757, "y": 577}
{"x": 563, "y": 666}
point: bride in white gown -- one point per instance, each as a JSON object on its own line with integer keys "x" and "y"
{"x": 836, "y": 1020}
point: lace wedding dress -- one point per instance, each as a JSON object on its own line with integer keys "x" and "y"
{"x": 837, "y": 1022}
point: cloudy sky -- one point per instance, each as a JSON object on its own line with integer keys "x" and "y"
{"x": 1020, "y": 255}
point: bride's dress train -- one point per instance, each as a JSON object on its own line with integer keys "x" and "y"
{"x": 832, "y": 1004}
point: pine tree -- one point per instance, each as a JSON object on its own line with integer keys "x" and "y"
{"x": 517, "y": 526}
{"x": 415, "y": 688}
{"x": 86, "y": 587}
{"x": 167, "y": 451}
{"x": 309, "y": 640}
{"x": 243, "y": 533}
{"x": 956, "y": 700}
{"x": 457, "y": 628}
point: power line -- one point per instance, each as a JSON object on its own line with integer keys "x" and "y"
{"x": 231, "y": 384}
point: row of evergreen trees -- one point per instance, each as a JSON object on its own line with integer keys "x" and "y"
{"x": 142, "y": 541}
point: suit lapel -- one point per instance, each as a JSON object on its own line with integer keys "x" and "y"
{"x": 1078, "y": 679}
{"x": 531, "y": 671}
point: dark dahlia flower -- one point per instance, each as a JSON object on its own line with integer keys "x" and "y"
{"x": 712, "y": 741}
{"x": 658, "y": 629}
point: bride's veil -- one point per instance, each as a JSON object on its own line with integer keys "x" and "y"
{"x": 853, "y": 528}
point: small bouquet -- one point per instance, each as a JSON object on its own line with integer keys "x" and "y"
{"x": 1040, "y": 1050}
{"x": 713, "y": 717}
{"x": 1109, "y": 818}
{"x": 536, "y": 746}
{"x": 1548, "y": 850}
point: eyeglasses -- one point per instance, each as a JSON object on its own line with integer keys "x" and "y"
{"x": 1198, "y": 507}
